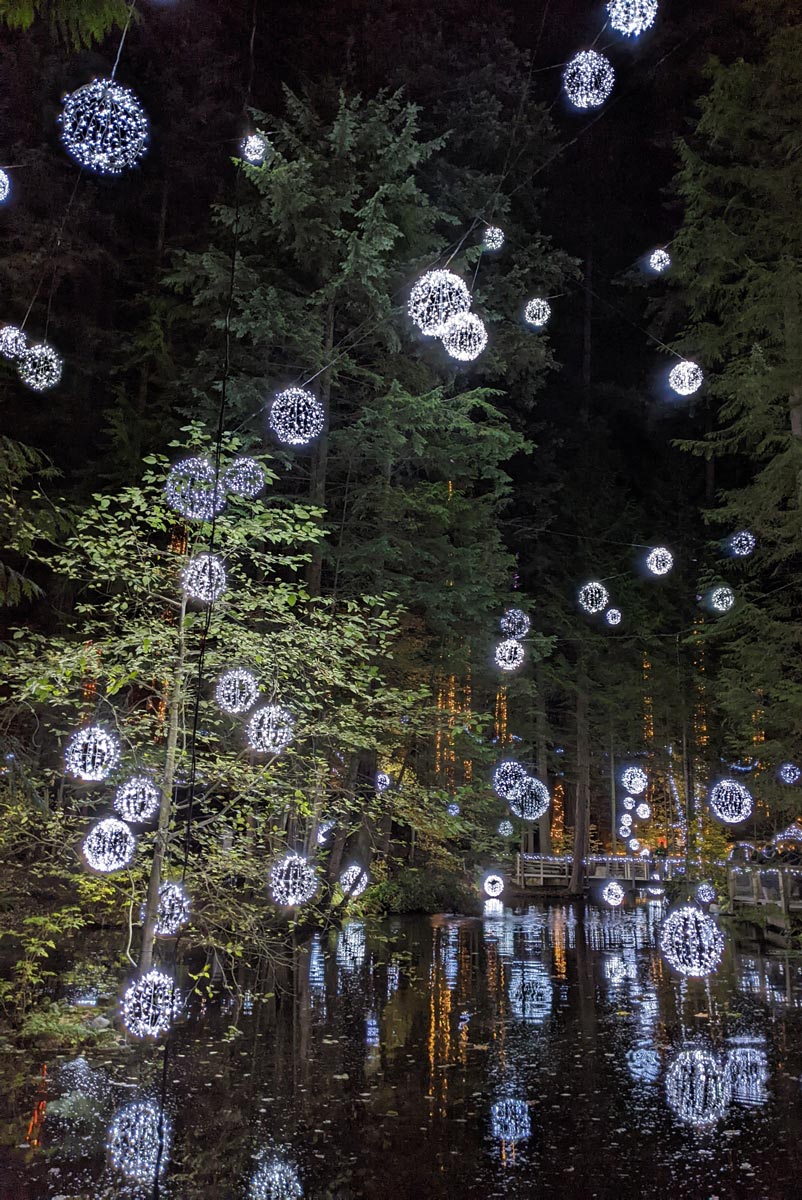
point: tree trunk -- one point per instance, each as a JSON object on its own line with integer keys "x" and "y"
{"x": 317, "y": 483}
{"x": 582, "y": 814}
{"x": 544, "y": 824}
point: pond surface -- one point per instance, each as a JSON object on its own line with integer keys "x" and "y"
{"x": 541, "y": 1052}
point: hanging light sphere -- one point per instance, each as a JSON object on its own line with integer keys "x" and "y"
{"x": 236, "y": 691}
{"x": 685, "y": 378}
{"x": 256, "y": 149}
{"x": 509, "y": 655}
{"x": 139, "y": 1140}
{"x": 730, "y": 802}
{"x": 588, "y": 79}
{"x": 435, "y": 299}
{"x": 40, "y": 367}
{"x": 383, "y": 781}
{"x": 530, "y": 799}
{"x": 292, "y": 881}
{"x": 691, "y": 942}
{"x": 244, "y": 477}
{"x": 634, "y": 844}
{"x": 697, "y": 1089}
{"x": 275, "y": 1180}
{"x": 626, "y": 820}
{"x": 722, "y": 599}
{"x": 109, "y": 846}
{"x": 493, "y": 885}
{"x": 150, "y": 1005}
{"x": 137, "y": 800}
{"x": 643, "y": 811}
{"x": 91, "y": 754}
{"x": 632, "y": 17}
{"x": 789, "y": 773}
{"x": 613, "y": 616}
{"x": 613, "y": 894}
{"x": 634, "y": 780}
{"x": 493, "y": 238}
{"x": 741, "y": 543}
{"x": 629, "y": 802}
{"x": 354, "y": 880}
{"x": 453, "y": 809}
{"x": 296, "y": 417}
{"x": 507, "y": 778}
{"x": 515, "y": 623}
{"x": 464, "y": 336}
{"x": 593, "y": 597}
{"x": 104, "y": 127}
{"x": 509, "y": 1121}
{"x": 5, "y": 186}
{"x": 192, "y": 490}
{"x": 659, "y": 561}
{"x": 624, "y": 831}
{"x": 12, "y": 342}
{"x": 204, "y": 578}
{"x": 172, "y": 912}
{"x": 659, "y": 261}
{"x": 537, "y": 312}
{"x": 271, "y": 729}
{"x": 705, "y": 893}
{"x": 505, "y": 829}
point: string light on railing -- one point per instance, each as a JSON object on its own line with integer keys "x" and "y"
{"x": 91, "y": 754}
{"x": 493, "y": 885}
{"x": 659, "y": 561}
{"x": 493, "y": 238}
{"x": 204, "y": 578}
{"x": 237, "y": 690}
{"x": 137, "y": 800}
{"x": 613, "y": 894}
{"x": 515, "y": 623}
{"x": 172, "y": 912}
{"x": 192, "y": 490}
{"x": 742, "y": 543}
{"x": 39, "y": 367}
{"x": 730, "y": 802}
{"x": 505, "y": 829}
{"x": 255, "y": 149}
{"x": 789, "y": 773}
{"x": 530, "y": 800}
{"x": 244, "y": 477}
{"x": 464, "y": 336}
{"x": 275, "y": 1180}
{"x": 435, "y": 299}
{"x": 685, "y": 378}
{"x": 507, "y": 778}
{"x": 537, "y": 312}
{"x": 705, "y": 893}
{"x": 593, "y": 597}
{"x": 510, "y": 1121}
{"x": 697, "y": 1088}
{"x": 659, "y": 261}
{"x": 613, "y": 616}
{"x": 722, "y": 599}
{"x": 271, "y": 729}
{"x": 104, "y": 127}
{"x": 691, "y": 942}
{"x": 354, "y": 880}
{"x": 296, "y": 417}
{"x": 643, "y": 811}
{"x": 12, "y": 342}
{"x": 588, "y": 79}
{"x": 151, "y": 1004}
{"x": 634, "y": 780}
{"x": 293, "y": 881}
{"x": 109, "y": 846}
{"x": 509, "y": 655}
{"x": 139, "y": 1140}
{"x": 632, "y": 17}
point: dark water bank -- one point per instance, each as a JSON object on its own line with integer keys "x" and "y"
{"x": 529, "y": 1053}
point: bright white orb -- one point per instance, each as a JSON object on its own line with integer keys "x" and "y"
{"x": 12, "y": 342}
{"x": 509, "y": 1121}
{"x": 204, "y": 578}
{"x": 530, "y": 799}
{"x": 271, "y": 729}
{"x": 705, "y": 893}
{"x": 244, "y": 477}
{"x": 275, "y": 1180}
{"x": 624, "y": 831}
{"x": 643, "y": 811}
{"x": 632, "y": 17}
{"x": 255, "y": 149}
{"x": 685, "y": 378}
{"x": 192, "y": 490}
{"x": 5, "y": 186}
{"x": 40, "y": 367}
{"x": 697, "y": 1089}
{"x": 659, "y": 561}
{"x": 634, "y": 780}
{"x": 505, "y": 829}
{"x": 613, "y": 894}
{"x": 789, "y": 773}
{"x": 730, "y": 802}
{"x": 104, "y": 127}
{"x": 722, "y": 599}
{"x": 588, "y": 79}
{"x": 137, "y": 800}
{"x": 139, "y": 1140}
{"x": 537, "y": 312}
{"x": 691, "y": 942}
{"x": 150, "y": 1005}
{"x": 509, "y": 655}
{"x": 296, "y": 417}
{"x": 464, "y": 336}
{"x": 493, "y": 885}
{"x": 91, "y": 754}
{"x": 634, "y": 844}
{"x": 236, "y": 691}
{"x": 593, "y": 597}
{"x": 741, "y": 543}
{"x": 172, "y": 912}
{"x": 626, "y": 820}
{"x": 507, "y": 778}
{"x": 515, "y": 623}
{"x": 493, "y": 238}
{"x": 293, "y": 881}
{"x": 613, "y": 616}
{"x": 659, "y": 261}
{"x": 383, "y": 781}
{"x": 629, "y": 802}
{"x": 453, "y": 809}
{"x": 354, "y": 880}
{"x": 435, "y": 299}
{"x": 109, "y": 846}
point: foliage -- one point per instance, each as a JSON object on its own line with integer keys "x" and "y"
{"x": 76, "y": 22}
{"x": 421, "y": 889}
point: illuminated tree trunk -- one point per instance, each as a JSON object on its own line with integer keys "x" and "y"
{"x": 582, "y": 815}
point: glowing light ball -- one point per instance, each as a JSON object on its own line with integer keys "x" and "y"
{"x": 588, "y": 79}
{"x": 271, "y": 729}
{"x": 722, "y": 599}
{"x": 643, "y": 811}
{"x": 173, "y": 910}
{"x": 493, "y": 238}
{"x": 659, "y": 561}
{"x": 623, "y": 831}
{"x": 5, "y": 186}
{"x": 593, "y": 597}
{"x": 742, "y": 543}
{"x": 730, "y": 802}
{"x": 237, "y": 690}
{"x": 629, "y": 803}
{"x": 255, "y": 149}
{"x": 453, "y": 809}
{"x": 697, "y": 1089}
{"x": 659, "y": 261}
{"x": 293, "y": 881}
{"x": 296, "y": 417}
{"x": 505, "y": 829}
{"x": 509, "y": 655}
{"x": 383, "y": 781}
{"x": 691, "y": 942}
{"x": 150, "y": 1005}
{"x": 509, "y": 1121}
{"x": 613, "y": 616}
{"x": 685, "y": 378}
{"x": 12, "y": 342}
{"x": 435, "y": 299}
{"x": 40, "y": 367}
{"x": 613, "y": 894}
{"x": 644, "y": 1064}
{"x": 634, "y": 844}
{"x": 632, "y": 17}
{"x": 137, "y": 800}
{"x": 634, "y": 780}
{"x": 275, "y": 1180}
{"x": 705, "y": 893}
{"x": 530, "y": 800}
{"x": 323, "y": 831}
{"x": 515, "y": 623}
{"x": 104, "y": 127}
{"x": 789, "y": 773}
{"x": 204, "y": 578}
{"x": 493, "y": 886}
{"x": 354, "y": 880}
{"x": 626, "y": 820}
{"x": 464, "y": 336}
{"x": 244, "y": 477}
{"x": 192, "y": 490}
{"x": 507, "y": 778}
{"x": 91, "y": 754}
{"x": 537, "y": 312}
{"x": 109, "y": 846}
{"x": 139, "y": 1140}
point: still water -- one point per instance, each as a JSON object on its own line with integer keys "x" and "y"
{"x": 541, "y": 1052}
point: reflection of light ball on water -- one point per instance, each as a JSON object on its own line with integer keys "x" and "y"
{"x": 139, "y": 1139}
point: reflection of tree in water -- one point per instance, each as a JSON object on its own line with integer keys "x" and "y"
{"x": 509, "y": 1121}
{"x": 748, "y": 1071}
{"x": 530, "y": 990}
{"x": 697, "y": 1087}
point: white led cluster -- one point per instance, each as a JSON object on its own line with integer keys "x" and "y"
{"x": 515, "y": 623}
{"x": 296, "y": 417}
{"x": 691, "y": 942}
{"x": 789, "y": 773}
{"x": 150, "y": 1005}
{"x": 613, "y": 616}
{"x": 104, "y": 127}
{"x": 12, "y": 342}
{"x": 435, "y": 299}
{"x": 613, "y": 894}
{"x": 685, "y": 378}
{"x": 659, "y": 261}
{"x": 722, "y": 599}
{"x": 741, "y": 543}
{"x": 109, "y": 846}
{"x": 530, "y": 800}
{"x": 509, "y": 655}
{"x": 139, "y": 1140}
{"x": 509, "y": 1121}
{"x": 172, "y": 912}
{"x": 271, "y": 729}
{"x": 643, "y": 811}
{"x": 204, "y": 578}
{"x": 275, "y": 1180}
{"x": 593, "y": 597}
{"x": 705, "y": 893}
{"x": 40, "y": 367}
{"x": 588, "y": 79}
{"x": 464, "y": 336}
{"x": 354, "y": 880}
{"x": 659, "y": 561}
{"x": 192, "y": 490}
{"x": 383, "y": 781}
{"x": 634, "y": 780}
{"x": 293, "y": 881}
{"x": 137, "y": 800}
{"x": 5, "y": 186}
{"x": 493, "y": 885}
{"x": 244, "y": 477}
{"x": 537, "y": 312}
{"x": 256, "y": 149}
{"x": 92, "y": 754}
{"x": 697, "y": 1088}
{"x": 507, "y": 778}
{"x": 237, "y": 690}
{"x": 453, "y": 809}
{"x": 493, "y": 238}
{"x": 730, "y": 802}
{"x": 505, "y": 829}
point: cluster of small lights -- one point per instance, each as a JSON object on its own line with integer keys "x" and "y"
{"x": 748, "y": 1074}
{"x": 192, "y": 490}
{"x": 659, "y": 261}
{"x": 505, "y": 829}
{"x": 173, "y": 910}
{"x": 643, "y": 811}
{"x": 296, "y": 417}
{"x": 453, "y": 809}
{"x": 623, "y": 831}
{"x": 730, "y": 802}
{"x": 275, "y": 1180}
{"x": 613, "y": 894}
{"x": 464, "y": 336}
{"x": 588, "y": 79}
{"x": 613, "y": 616}
{"x": 629, "y": 802}
{"x": 507, "y": 778}
{"x": 593, "y": 597}
{"x": 292, "y": 881}
{"x": 254, "y": 149}
{"x": 354, "y": 880}
{"x": 705, "y": 893}
{"x": 722, "y": 599}
{"x": 204, "y": 578}
{"x": 537, "y": 312}
{"x": 634, "y": 780}
{"x": 104, "y": 127}
{"x": 150, "y": 1005}
{"x": 109, "y": 846}
{"x": 659, "y": 561}
{"x": 685, "y": 378}
{"x": 632, "y": 17}
{"x": 530, "y": 800}
{"x": 515, "y": 623}
{"x": 137, "y": 800}
{"x": 493, "y": 886}
{"x": 691, "y": 942}
{"x": 271, "y": 729}
{"x": 323, "y": 831}
{"x": 509, "y": 1121}
{"x": 5, "y": 186}
{"x": 626, "y": 820}
{"x": 789, "y": 773}
{"x": 493, "y": 238}
{"x": 509, "y": 655}
{"x": 139, "y": 1139}
{"x": 634, "y": 844}
{"x": 40, "y": 367}
{"x": 435, "y": 299}
{"x": 12, "y": 342}
{"x": 236, "y": 691}
{"x": 655, "y": 889}
{"x": 244, "y": 477}
{"x": 697, "y": 1089}
{"x": 743, "y": 543}
{"x": 383, "y": 781}
{"x": 92, "y": 754}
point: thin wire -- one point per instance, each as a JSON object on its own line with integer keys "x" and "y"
{"x": 122, "y": 39}
{"x": 56, "y": 242}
